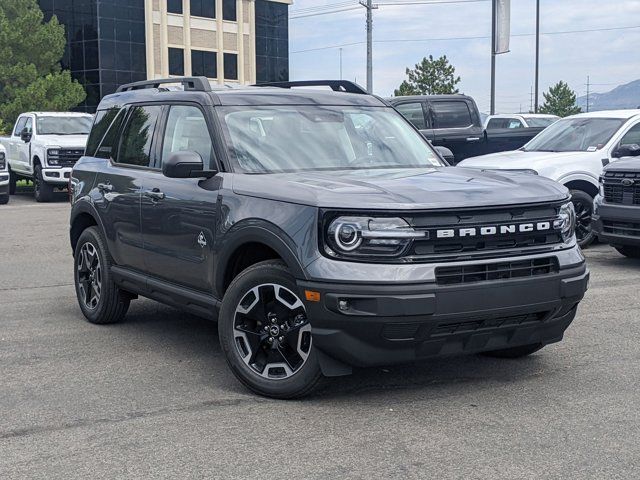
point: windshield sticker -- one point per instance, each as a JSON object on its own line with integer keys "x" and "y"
{"x": 592, "y": 149}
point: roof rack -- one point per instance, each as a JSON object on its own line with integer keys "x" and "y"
{"x": 194, "y": 84}
{"x": 335, "y": 85}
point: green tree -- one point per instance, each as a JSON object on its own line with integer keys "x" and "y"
{"x": 430, "y": 77}
{"x": 560, "y": 100}
{"x": 30, "y": 74}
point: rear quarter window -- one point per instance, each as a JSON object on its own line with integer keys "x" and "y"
{"x": 452, "y": 114}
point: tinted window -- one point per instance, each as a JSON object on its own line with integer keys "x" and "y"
{"x": 230, "y": 66}
{"x": 497, "y": 123}
{"x": 229, "y": 10}
{"x": 109, "y": 141}
{"x": 187, "y": 131}
{"x": 101, "y": 123}
{"x": 135, "y": 146}
{"x": 20, "y": 125}
{"x": 204, "y": 64}
{"x": 414, "y": 113}
{"x": 176, "y": 61}
{"x": 453, "y": 114}
{"x": 174, "y": 6}
{"x": 632, "y": 136}
{"x": 203, "y": 8}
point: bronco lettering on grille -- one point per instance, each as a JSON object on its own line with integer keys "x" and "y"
{"x": 494, "y": 230}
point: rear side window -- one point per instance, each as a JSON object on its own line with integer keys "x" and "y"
{"x": 414, "y": 113}
{"x": 454, "y": 114}
{"x": 187, "y": 131}
{"x": 497, "y": 123}
{"x": 100, "y": 126}
{"x": 109, "y": 141}
{"x": 137, "y": 136}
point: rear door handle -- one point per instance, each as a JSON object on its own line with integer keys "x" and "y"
{"x": 154, "y": 194}
{"x": 105, "y": 187}
{"x": 473, "y": 139}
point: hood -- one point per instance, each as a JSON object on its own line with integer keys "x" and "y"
{"x": 627, "y": 164}
{"x": 64, "y": 141}
{"x": 429, "y": 188}
{"x": 518, "y": 159}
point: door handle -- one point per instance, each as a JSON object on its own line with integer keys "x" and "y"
{"x": 154, "y": 194}
{"x": 105, "y": 187}
{"x": 473, "y": 139}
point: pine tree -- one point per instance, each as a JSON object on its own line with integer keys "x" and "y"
{"x": 30, "y": 53}
{"x": 430, "y": 77}
{"x": 560, "y": 100}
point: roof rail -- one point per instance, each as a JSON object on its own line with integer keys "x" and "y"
{"x": 335, "y": 85}
{"x": 195, "y": 84}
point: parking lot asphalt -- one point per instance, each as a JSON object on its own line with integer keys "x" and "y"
{"x": 153, "y": 398}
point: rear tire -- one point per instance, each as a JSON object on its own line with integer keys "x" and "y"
{"x": 13, "y": 180}
{"x": 43, "y": 191}
{"x": 583, "y": 204}
{"x": 630, "y": 252}
{"x": 265, "y": 335}
{"x": 515, "y": 352}
{"x": 4, "y": 199}
{"x": 100, "y": 299}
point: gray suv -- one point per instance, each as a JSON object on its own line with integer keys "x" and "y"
{"x": 319, "y": 228}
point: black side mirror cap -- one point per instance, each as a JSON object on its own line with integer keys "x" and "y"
{"x": 25, "y": 135}
{"x": 630, "y": 150}
{"x": 185, "y": 165}
{"x": 446, "y": 154}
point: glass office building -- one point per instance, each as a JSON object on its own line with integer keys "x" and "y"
{"x": 112, "y": 42}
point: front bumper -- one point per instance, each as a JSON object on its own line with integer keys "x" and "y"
{"x": 57, "y": 176}
{"x": 400, "y": 323}
{"x": 616, "y": 224}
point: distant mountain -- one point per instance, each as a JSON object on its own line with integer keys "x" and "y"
{"x": 621, "y": 97}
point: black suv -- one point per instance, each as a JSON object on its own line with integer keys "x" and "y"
{"x": 318, "y": 227}
{"x": 616, "y": 217}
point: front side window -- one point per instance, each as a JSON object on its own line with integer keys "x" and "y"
{"x": 135, "y": 145}
{"x": 187, "y": 131}
{"x": 453, "y": 114}
{"x": 575, "y": 135}
{"x": 414, "y": 113}
{"x": 22, "y": 121}
{"x": 64, "y": 125}
{"x": 632, "y": 136}
{"x": 311, "y": 138}
{"x": 29, "y": 125}
{"x": 514, "y": 123}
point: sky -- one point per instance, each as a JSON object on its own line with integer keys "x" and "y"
{"x": 404, "y": 34}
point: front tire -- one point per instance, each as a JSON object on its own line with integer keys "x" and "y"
{"x": 583, "y": 204}
{"x": 4, "y": 199}
{"x": 42, "y": 190}
{"x": 515, "y": 352}
{"x": 630, "y": 252}
{"x": 265, "y": 334}
{"x": 100, "y": 299}
{"x": 13, "y": 180}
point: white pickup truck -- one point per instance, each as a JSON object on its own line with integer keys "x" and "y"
{"x": 573, "y": 151}
{"x": 43, "y": 147}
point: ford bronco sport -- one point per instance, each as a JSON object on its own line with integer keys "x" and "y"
{"x": 318, "y": 227}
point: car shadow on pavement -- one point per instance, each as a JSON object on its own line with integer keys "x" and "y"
{"x": 184, "y": 335}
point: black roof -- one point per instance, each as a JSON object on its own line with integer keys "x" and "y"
{"x": 453, "y": 96}
{"x": 236, "y": 96}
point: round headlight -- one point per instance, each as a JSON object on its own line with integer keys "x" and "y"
{"x": 566, "y": 221}
{"x": 347, "y": 236}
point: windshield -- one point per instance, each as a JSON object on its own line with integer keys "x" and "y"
{"x": 575, "y": 135}
{"x": 540, "y": 122}
{"x": 64, "y": 125}
{"x": 305, "y": 138}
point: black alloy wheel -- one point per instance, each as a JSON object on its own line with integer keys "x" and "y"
{"x": 583, "y": 204}
{"x": 89, "y": 276}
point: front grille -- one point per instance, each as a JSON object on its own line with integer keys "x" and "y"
{"x": 68, "y": 156}
{"x": 452, "y": 328}
{"x": 496, "y": 271}
{"x": 478, "y": 238}
{"x": 621, "y": 228}
{"x": 622, "y": 187}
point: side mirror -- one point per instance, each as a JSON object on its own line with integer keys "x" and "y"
{"x": 446, "y": 154}
{"x": 630, "y": 150}
{"x": 25, "y": 135}
{"x": 185, "y": 165}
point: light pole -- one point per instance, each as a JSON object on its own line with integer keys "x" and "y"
{"x": 340, "y": 63}
{"x": 493, "y": 57}
{"x": 535, "y": 108}
{"x": 368, "y": 4}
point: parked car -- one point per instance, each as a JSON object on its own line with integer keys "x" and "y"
{"x": 319, "y": 228}
{"x": 43, "y": 147}
{"x": 450, "y": 121}
{"x": 4, "y": 177}
{"x": 573, "y": 152}
{"x": 616, "y": 216}
{"x": 510, "y": 132}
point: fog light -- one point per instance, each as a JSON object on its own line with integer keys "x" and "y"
{"x": 343, "y": 305}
